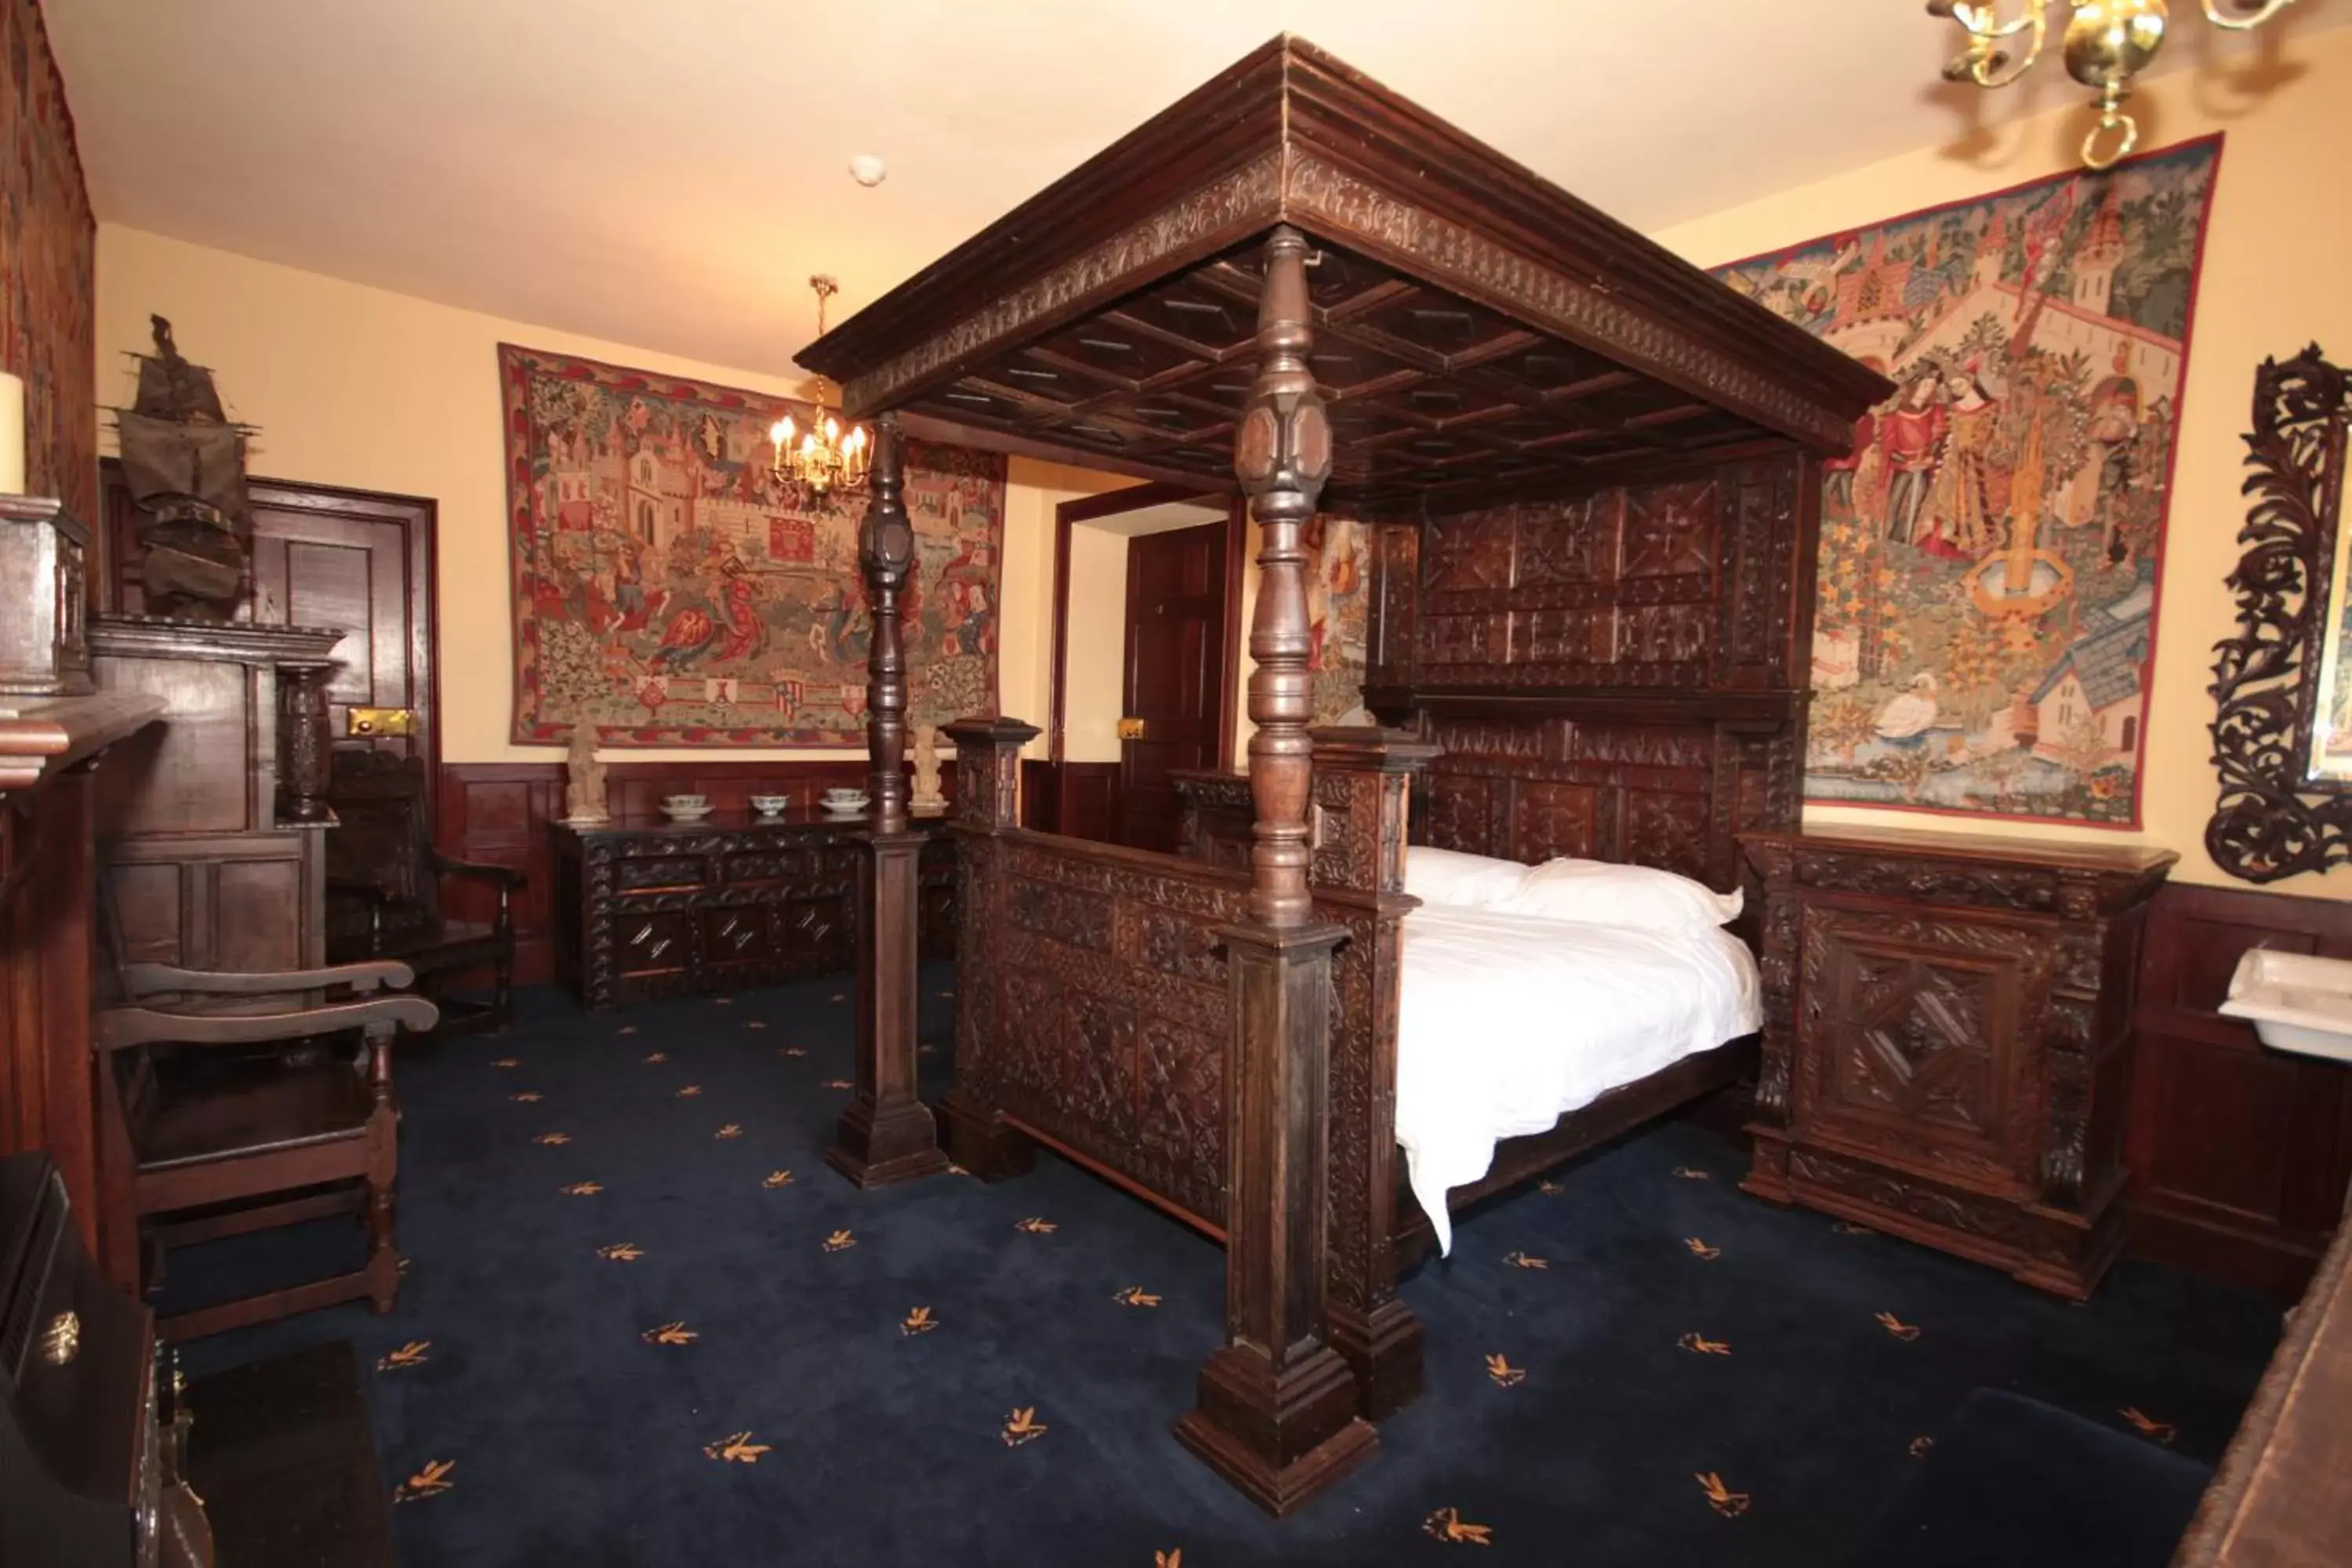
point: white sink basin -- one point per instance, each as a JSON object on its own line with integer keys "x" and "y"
{"x": 2296, "y": 1003}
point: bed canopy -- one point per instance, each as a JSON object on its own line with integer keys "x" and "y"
{"x": 1593, "y": 471}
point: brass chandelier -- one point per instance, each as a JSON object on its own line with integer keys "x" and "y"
{"x": 822, "y": 458}
{"x": 2107, "y": 43}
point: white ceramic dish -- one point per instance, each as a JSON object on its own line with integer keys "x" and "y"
{"x": 769, "y": 804}
{"x": 2296, "y": 1001}
{"x": 686, "y": 813}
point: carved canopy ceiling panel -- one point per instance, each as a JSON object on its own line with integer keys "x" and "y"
{"x": 1477, "y": 330}
{"x": 1426, "y": 390}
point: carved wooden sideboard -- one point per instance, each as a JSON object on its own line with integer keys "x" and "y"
{"x": 1215, "y": 820}
{"x": 1947, "y": 1023}
{"x": 646, "y": 907}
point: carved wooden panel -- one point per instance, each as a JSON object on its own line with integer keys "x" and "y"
{"x": 1105, "y": 1019}
{"x": 1910, "y": 1035}
{"x": 1656, "y": 792}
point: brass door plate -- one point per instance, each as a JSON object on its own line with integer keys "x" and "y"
{"x": 381, "y": 721}
{"x": 1131, "y": 729}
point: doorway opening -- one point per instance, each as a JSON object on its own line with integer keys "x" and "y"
{"x": 1146, "y": 645}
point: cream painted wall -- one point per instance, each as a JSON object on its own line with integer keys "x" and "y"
{"x": 2273, "y": 281}
{"x": 1094, "y": 691}
{"x": 359, "y": 386}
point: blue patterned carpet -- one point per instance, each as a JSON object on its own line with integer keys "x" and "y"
{"x": 644, "y": 1324}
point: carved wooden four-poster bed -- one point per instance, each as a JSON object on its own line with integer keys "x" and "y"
{"x": 1589, "y": 472}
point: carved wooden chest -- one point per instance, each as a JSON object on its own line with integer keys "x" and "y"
{"x": 648, "y": 907}
{"x": 1947, "y": 1029}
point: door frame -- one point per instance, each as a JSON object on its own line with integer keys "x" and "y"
{"x": 1137, "y": 498}
{"x": 422, "y": 512}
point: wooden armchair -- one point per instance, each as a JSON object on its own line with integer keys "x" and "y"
{"x": 201, "y": 1140}
{"x": 384, "y": 888}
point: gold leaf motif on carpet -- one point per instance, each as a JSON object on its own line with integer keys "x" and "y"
{"x": 1701, "y": 1250}
{"x": 1699, "y": 1344}
{"x": 1448, "y": 1525}
{"x": 621, "y": 1252}
{"x": 1022, "y": 1426}
{"x": 675, "y": 1333}
{"x": 738, "y": 1450}
{"x": 1136, "y": 1296}
{"x": 413, "y": 1353}
{"x": 430, "y": 1482}
{"x": 1722, "y": 1499}
{"x": 1898, "y": 1327}
{"x": 1522, "y": 1260}
{"x": 840, "y": 1241}
{"x": 1505, "y": 1375}
{"x": 2148, "y": 1427}
{"x": 775, "y": 1179}
{"x": 919, "y": 1321}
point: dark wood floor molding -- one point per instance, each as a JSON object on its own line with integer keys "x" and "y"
{"x": 497, "y": 813}
{"x": 2239, "y": 1155}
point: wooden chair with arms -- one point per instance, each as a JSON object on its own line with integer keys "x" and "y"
{"x": 200, "y": 1141}
{"x": 384, "y": 888}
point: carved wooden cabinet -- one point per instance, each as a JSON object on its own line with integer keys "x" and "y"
{"x": 646, "y": 907}
{"x": 1946, "y": 1033}
{"x": 1215, "y": 820}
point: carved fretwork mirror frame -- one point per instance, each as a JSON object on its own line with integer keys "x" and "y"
{"x": 2283, "y": 682}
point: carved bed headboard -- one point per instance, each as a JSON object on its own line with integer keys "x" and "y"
{"x": 1617, "y": 675}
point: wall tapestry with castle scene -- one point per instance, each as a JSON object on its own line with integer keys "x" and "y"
{"x": 1989, "y": 554}
{"x": 669, "y": 591}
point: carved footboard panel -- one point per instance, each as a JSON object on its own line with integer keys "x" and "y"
{"x": 1094, "y": 1010}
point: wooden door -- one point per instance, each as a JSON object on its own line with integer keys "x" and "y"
{"x": 1175, "y": 642}
{"x": 323, "y": 556}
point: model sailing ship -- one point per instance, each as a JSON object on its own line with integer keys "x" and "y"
{"x": 183, "y": 462}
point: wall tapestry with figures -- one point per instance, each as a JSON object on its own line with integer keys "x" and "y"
{"x": 669, "y": 591}
{"x": 1986, "y": 622}
{"x": 1338, "y": 605}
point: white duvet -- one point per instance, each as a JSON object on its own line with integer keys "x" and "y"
{"x": 1508, "y": 1021}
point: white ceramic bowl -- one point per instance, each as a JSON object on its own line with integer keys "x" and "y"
{"x": 769, "y": 804}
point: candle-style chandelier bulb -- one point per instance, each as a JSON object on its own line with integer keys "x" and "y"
{"x": 824, "y": 461}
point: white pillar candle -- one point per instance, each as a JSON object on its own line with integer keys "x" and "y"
{"x": 12, "y": 435}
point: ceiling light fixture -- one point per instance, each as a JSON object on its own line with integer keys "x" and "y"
{"x": 2107, "y": 43}
{"x": 824, "y": 458}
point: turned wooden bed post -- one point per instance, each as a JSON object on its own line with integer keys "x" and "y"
{"x": 1278, "y": 1413}
{"x": 887, "y": 1134}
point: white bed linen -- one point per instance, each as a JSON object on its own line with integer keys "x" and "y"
{"x": 1509, "y": 1021}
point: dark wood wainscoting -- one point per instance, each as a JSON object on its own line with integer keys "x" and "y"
{"x": 1080, "y": 800}
{"x": 2240, "y": 1156}
{"x": 497, "y": 813}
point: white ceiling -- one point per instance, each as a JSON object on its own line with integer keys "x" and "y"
{"x": 666, "y": 173}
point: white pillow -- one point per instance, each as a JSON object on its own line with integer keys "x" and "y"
{"x": 1464, "y": 881}
{"x": 1596, "y": 892}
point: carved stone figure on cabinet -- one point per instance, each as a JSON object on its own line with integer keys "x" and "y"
{"x": 928, "y": 801}
{"x": 584, "y": 779}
